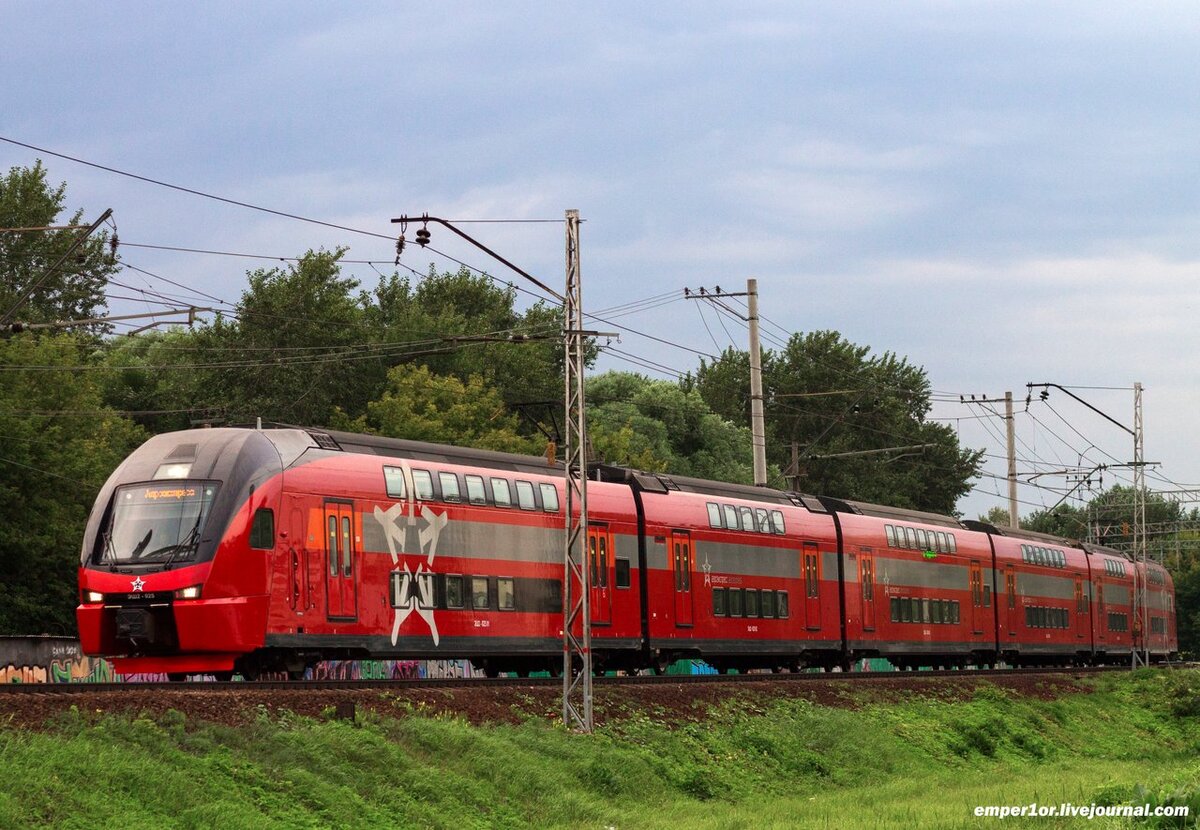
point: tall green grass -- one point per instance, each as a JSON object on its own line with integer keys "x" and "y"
{"x": 787, "y": 763}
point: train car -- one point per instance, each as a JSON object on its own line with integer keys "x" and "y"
{"x": 741, "y": 577}
{"x": 1113, "y": 622}
{"x": 915, "y": 591}
{"x": 1162, "y": 639}
{"x": 1043, "y": 612}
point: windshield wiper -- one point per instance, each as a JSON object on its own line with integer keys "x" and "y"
{"x": 188, "y": 543}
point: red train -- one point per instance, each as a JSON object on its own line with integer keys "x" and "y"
{"x": 223, "y": 550}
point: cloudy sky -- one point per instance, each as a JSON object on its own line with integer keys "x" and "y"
{"x": 1004, "y": 193}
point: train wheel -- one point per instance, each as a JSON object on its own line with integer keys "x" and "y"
{"x": 660, "y": 664}
{"x": 176, "y": 676}
{"x": 223, "y": 676}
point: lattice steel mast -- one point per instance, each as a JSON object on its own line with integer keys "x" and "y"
{"x": 577, "y": 645}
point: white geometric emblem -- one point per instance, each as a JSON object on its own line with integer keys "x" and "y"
{"x": 395, "y": 528}
{"x": 137, "y": 584}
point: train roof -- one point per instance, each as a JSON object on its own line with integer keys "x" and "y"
{"x": 884, "y": 511}
{"x": 1021, "y": 533}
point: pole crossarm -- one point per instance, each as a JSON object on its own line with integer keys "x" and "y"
{"x": 1066, "y": 391}
{"x": 88, "y": 231}
{"x": 426, "y": 218}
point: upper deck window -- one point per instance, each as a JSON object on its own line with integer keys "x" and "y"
{"x": 501, "y": 492}
{"x": 714, "y": 515}
{"x": 476, "y": 494}
{"x": 549, "y": 498}
{"x": 449, "y": 482}
{"x": 393, "y": 478}
{"x": 525, "y": 495}
{"x": 423, "y": 484}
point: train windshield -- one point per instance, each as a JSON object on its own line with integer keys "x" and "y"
{"x": 157, "y": 523}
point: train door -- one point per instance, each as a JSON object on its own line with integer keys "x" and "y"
{"x": 1010, "y": 588}
{"x": 866, "y": 575}
{"x": 1101, "y": 613}
{"x": 812, "y": 585}
{"x": 299, "y": 579}
{"x": 681, "y": 568}
{"x": 1081, "y": 616}
{"x": 600, "y": 567}
{"x": 341, "y": 572}
{"x": 976, "y": 578}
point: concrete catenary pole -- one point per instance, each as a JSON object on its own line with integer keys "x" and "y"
{"x": 758, "y": 438}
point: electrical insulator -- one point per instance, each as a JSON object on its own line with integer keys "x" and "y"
{"x": 423, "y": 237}
{"x": 399, "y": 248}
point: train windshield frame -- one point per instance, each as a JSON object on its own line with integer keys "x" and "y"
{"x": 156, "y": 523}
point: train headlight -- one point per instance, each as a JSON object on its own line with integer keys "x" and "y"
{"x": 93, "y": 596}
{"x": 190, "y": 592}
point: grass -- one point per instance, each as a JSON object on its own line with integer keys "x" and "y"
{"x": 919, "y": 763}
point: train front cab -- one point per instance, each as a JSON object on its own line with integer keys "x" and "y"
{"x": 173, "y": 568}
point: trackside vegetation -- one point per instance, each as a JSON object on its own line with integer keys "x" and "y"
{"x": 919, "y": 762}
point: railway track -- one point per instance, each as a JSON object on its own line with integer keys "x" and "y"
{"x": 293, "y": 686}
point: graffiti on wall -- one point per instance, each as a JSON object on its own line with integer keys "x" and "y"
{"x": 59, "y": 660}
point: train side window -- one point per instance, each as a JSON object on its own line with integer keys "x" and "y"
{"x": 751, "y": 602}
{"x": 777, "y": 521}
{"x": 987, "y": 596}
{"x": 262, "y": 529}
{"x": 454, "y": 591}
{"x": 426, "y": 598}
{"x": 393, "y": 479}
{"x": 479, "y": 592}
{"x": 895, "y": 609}
{"x": 943, "y": 542}
{"x": 954, "y": 610}
{"x": 525, "y": 495}
{"x": 905, "y": 610}
{"x": 936, "y": 612}
{"x": 714, "y": 515}
{"x": 549, "y": 498}
{"x": 922, "y": 540}
{"x": 747, "y": 519}
{"x": 423, "y": 484}
{"x": 449, "y": 482}
{"x": 953, "y": 544}
{"x": 764, "y": 520}
{"x": 781, "y": 604}
{"x": 504, "y": 593}
{"x": 622, "y": 573}
{"x": 891, "y": 535}
{"x": 718, "y": 602}
{"x": 731, "y": 517}
{"x": 768, "y": 604}
{"x": 476, "y": 494}
{"x": 735, "y": 602}
{"x": 501, "y": 492}
{"x": 910, "y": 538}
{"x": 925, "y": 610}
{"x": 332, "y": 542}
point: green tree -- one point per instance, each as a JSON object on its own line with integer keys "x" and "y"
{"x": 296, "y": 347}
{"x": 60, "y": 444}
{"x": 661, "y": 426}
{"x": 830, "y": 397}
{"x": 75, "y": 291}
{"x": 422, "y": 406}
